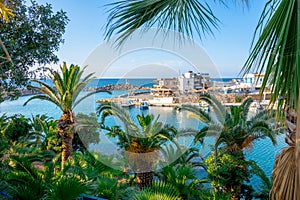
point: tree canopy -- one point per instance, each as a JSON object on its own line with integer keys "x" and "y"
{"x": 31, "y": 37}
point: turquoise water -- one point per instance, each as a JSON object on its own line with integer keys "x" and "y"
{"x": 263, "y": 152}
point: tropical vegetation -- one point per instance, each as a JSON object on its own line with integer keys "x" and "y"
{"x": 275, "y": 52}
{"x": 234, "y": 131}
{"x": 35, "y": 152}
{"x": 141, "y": 142}
{"x": 66, "y": 96}
{"x": 30, "y": 35}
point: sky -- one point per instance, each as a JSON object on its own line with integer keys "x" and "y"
{"x": 228, "y": 49}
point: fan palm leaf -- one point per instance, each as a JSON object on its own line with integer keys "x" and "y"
{"x": 277, "y": 51}
{"x": 186, "y": 17}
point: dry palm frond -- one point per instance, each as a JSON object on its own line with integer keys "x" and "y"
{"x": 285, "y": 182}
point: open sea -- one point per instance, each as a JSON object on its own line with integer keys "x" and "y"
{"x": 263, "y": 152}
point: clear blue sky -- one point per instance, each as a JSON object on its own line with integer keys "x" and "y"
{"x": 228, "y": 49}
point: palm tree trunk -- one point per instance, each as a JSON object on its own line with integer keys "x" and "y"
{"x": 65, "y": 125}
{"x": 144, "y": 179}
{"x": 67, "y": 149}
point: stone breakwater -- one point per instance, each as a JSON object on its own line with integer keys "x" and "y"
{"x": 28, "y": 91}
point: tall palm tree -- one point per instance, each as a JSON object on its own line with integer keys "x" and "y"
{"x": 141, "y": 141}
{"x": 65, "y": 95}
{"x": 277, "y": 51}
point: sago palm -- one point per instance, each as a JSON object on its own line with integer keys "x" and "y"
{"x": 141, "y": 141}
{"x": 234, "y": 131}
{"x": 277, "y": 52}
{"x": 232, "y": 128}
{"x": 65, "y": 95}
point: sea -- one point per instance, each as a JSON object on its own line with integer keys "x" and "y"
{"x": 262, "y": 152}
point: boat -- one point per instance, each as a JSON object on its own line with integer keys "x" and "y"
{"x": 127, "y": 104}
{"x": 144, "y": 105}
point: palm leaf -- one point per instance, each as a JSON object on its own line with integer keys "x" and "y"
{"x": 285, "y": 183}
{"x": 158, "y": 191}
{"x": 276, "y": 51}
{"x": 43, "y": 97}
{"x": 218, "y": 108}
{"x": 181, "y": 16}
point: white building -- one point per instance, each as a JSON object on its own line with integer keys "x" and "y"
{"x": 192, "y": 81}
{"x": 186, "y": 82}
{"x": 253, "y": 81}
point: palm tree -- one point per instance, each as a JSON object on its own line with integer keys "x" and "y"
{"x": 141, "y": 142}
{"x": 234, "y": 132}
{"x": 64, "y": 95}
{"x": 277, "y": 51}
{"x": 232, "y": 128}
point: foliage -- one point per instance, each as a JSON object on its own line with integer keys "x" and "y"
{"x": 266, "y": 186}
{"x": 17, "y": 128}
{"x": 158, "y": 191}
{"x": 140, "y": 142}
{"x": 284, "y": 172}
{"x": 233, "y": 128}
{"x": 183, "y": 177}
{"x": 107, "y": 187}
{"x": 68, "y": 188}
{"x": 31, "y": 37}
{"x": 174, "y": 155}
{"x": 185, "y": 17}
{"x": 146, "y": 137}
{"x": 68, "y": 86}
{"x": 65, "y": 95}
{"x": 5, "y": 12}
{"x": 228, "y": 173}
{"x": 276, "y": 51}
{"x": 86, "y": 131}
{"x": 238, "y": 99}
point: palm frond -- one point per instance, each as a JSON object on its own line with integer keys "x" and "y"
{"x": 43, "y": 97}
{"x": 180, "y": 16}
{"x": 87, "y": 95}
{"x": 246, "y": 106}
{"x": 218, "y": 108}
{"x": 285, "y": 181}
{"x": 277, "y": 50}
{"x": 261, "y": 129}
{"x": 197, "y": 113}
{"x": 68, "y": 188}
{"x": 158, "y": 191}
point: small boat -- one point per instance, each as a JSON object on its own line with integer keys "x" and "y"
{"x": 127, "y": 104}
{"x": 144, "y": 105}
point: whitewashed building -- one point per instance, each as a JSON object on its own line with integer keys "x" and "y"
{"x": 253, "y": 81}
{"x": 192, "y": 81}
